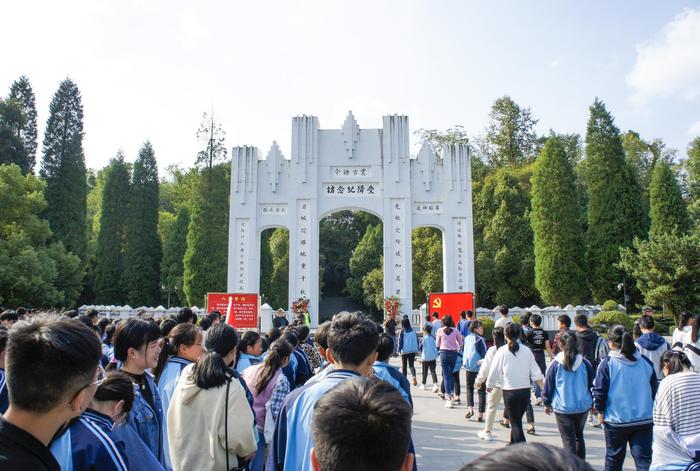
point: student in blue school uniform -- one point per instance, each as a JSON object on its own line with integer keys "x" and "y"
{"x": 383, "y": 370}
{"x": 474, "y": 353}
{"x": 352, "y": 342}
{"x": 89, "y": 443}
{"x": 567, "y": 392}
{"x": 137, "y": 347}
{"x": 408, "y": 347}
{"x": 250, "y": 351}
{"x": 429, "y": 354}
{"x": 182, "y": 347}
{"x": 623, "y": 394}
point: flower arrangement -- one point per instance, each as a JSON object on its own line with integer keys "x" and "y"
{"x": 391, "y": 306}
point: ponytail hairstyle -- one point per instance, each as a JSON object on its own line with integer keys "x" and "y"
{"x": 695, "y": 332}
{"x": 512, "y": 332}
{"x": 498, "y": 339}
{"x": 117, "y": 386}
{"x": 181, "y": 334}
{"x": 210, "y": 371}
{"x": 569, "y": 345}
{"x": 684, "y": 319}
{"x": 447, "y": 324}
{"x": 406, "y": 324}
{"x": 675, "y": 361}
{"x": 619, "y": 337}
{"x": 276, "y": 357}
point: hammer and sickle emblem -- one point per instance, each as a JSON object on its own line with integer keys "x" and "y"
{"x": 437, "y": 303}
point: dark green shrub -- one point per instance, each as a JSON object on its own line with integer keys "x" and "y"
{"x": 604, "y": 319}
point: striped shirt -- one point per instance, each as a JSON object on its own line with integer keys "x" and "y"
{"x": 677, "y": 404}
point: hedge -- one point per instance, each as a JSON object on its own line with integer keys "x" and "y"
{"x": 605, "y": 319}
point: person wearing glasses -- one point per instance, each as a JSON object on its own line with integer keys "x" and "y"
{"x": 52, "y": 374}
{"x": 89, "y": 443}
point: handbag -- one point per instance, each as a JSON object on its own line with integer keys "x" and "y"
{"x": 269, "y": 430}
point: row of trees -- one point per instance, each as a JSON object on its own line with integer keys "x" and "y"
{"x": 557, "y": 219}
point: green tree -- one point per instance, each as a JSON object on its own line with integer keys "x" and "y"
{"x": 426, "y": 245}
{"x": 667, "y": 270}
{"x": 691, "y": 167}
{"x": 278, "y": 290}
{"x": 505, "y": 261}
{"x": 34, "y": 272}
{"x": 207, "y": 241}
{"x": 12, "y": 150}
{"x": 510, "y": 137}
{"x": 174, "y": 249}
{"x": 365, "y": 258}
{"x": 668, "y": 212}
{"x": 63, "y": 169}
{"x": 615, "y": 209}
{"x": 111, "y": 239}
{"x": 560, "y": 273}
{"x": 21, "y": 91}
{"x": 213, "y": 137}
{"x": 373, "y": 288}
{"x": 144, "y": 251}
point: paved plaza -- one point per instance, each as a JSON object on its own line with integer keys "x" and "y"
{"x": 445, "y": 440}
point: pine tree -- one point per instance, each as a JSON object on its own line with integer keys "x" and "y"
{"x": 12, "y": 150}
{"x": 692, "y": 170}
{"x": 207, "y": 241}
{"x": 63, "y": 169}
{"x": 615, "y": 210}
{"x": 21, "y": 91}
{"x": 560, "y": 273}
{"x": 668, "y": 212}
{"x": 174, "y": 249}
{"x": 510, "y": 137}
{"x": 144, "y": 252}
{"x": 111, "y": 240}
{"x": 505, "y": 261}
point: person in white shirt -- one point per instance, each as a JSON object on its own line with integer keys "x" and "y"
{"x": 680, "y": 332}
{"x": 504, "y": 319}
{"x": 513, "y": 367}
{"x": 495, "y": 396}
{"x": 691, "y": 343}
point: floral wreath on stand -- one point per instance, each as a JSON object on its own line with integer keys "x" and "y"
{"x": 391, "y": 306}
{"x": 300, "y": 307}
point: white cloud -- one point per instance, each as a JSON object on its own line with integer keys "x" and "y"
{"x": 669, "y": 64}
{"x": 694, "y": 130}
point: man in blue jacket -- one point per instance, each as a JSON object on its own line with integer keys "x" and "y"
{"x": 651, "y": 345}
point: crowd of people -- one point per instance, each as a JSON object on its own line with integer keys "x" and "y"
{"x": 81, "y": 392}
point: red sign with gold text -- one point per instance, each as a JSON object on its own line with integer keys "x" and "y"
{"x": 450, "y": 303}
{"x": 239, "y": 309}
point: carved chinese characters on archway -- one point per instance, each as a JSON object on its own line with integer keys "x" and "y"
{"x": 460, "y": 227}
{"x": 241, "y": 276}
{"x": 349, "y": 189}
{"x": 398, "y": 257}
{"x": 303, "y": 227}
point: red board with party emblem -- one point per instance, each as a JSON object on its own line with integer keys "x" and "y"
{"x": 450, "y": 304}
{"x": 239, "y": 309}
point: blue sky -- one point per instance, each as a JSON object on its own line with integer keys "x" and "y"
{"x": 149, "y": 69}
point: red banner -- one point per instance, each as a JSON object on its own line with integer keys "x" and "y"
{"x": 450, "y": 304}
{"x": 239, "y": 309}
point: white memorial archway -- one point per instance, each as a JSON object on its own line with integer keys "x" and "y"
{"x": 356, "y": 169}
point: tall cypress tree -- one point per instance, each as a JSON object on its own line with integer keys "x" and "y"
{"x": 207, "y": 242}
{"x": 560, "y": 274}
{"x": 111, "y": 240}
{"x": 174, "y": 249}
{"x": 143, "y": 247}
{"x": 668, "y": 212}
{"x": 63, "y": 168}
{"x": 21, "y": 91}
{"x": 12, "y": 149}
{"x": 615, "y": 210}
{"x": 692, "y": 168}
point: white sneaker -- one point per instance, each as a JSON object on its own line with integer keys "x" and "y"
{"x": 448, "y": 404}
{"x": 484, "y": 435}
{"x": 435, "y": 388}
{"x": 423, "y": 387}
